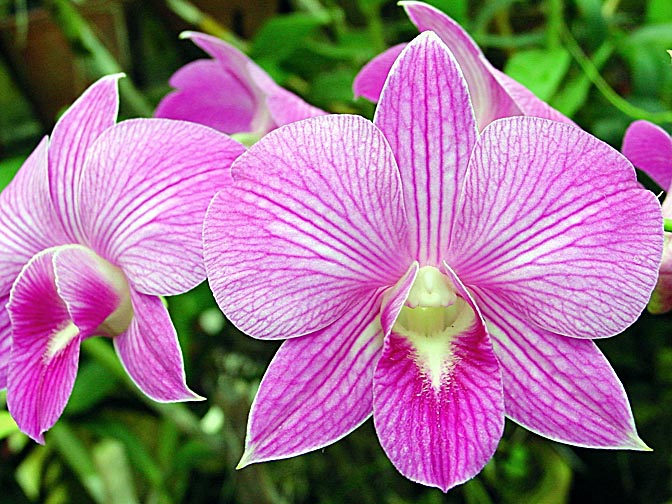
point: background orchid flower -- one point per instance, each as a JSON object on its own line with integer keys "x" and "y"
{"x": 433, "y": 276}
{"x": 99, "y": 222}
{"x": 649, "y": 147}
{"x": 494, "y": 94}
{"x": 230, "y": 93}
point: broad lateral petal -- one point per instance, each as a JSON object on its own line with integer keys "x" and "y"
{"x": 554, "y": 224}
{"x": 526, "y": 100}
{"x": 312, "y": 223}
{"x": 209, "y": 94}
{"x": 438, "y": 403}
{"x": 5, "y": 340}
{"x": 371, "y": 78}
{"x": 92, "y": 113}
{"x": 489, "y": 98}
{"x": 317, "y": 389}
{"x": 150, "y": 352}
{"x": 28, "y": 220}
{"x": 426, "y": 116}
{"x": 649, "y": 148}
{"x": 45, "y": 349}
{"x": 147, "y": 219}
{"x": 559, "y": 387}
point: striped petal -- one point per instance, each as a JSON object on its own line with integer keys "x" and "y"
{"x": 311, "y": 225}
{"x": 554, "y": 224}
{"x": 80, "y": 126}
{"x": 28, "y": 219}
{"x": 150, "y": 352}
{"x": 490, "y": 100}
{"x": 438, "y": 404}
{"x": 5, "y": 340}
{"x": 426, "y": 116}
{"x": 559, "y": 387}
{"x": 147, "y": 218}
{"x": 649, "y": 148}
{"x": 317, "y": 389}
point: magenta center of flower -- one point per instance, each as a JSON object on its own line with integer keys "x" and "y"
{"x": 430, "y": 321}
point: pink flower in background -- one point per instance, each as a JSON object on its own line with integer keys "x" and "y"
{"x": 433, "y": 276}
{"x": 493, "y": 93}
{"x": 649, "y": 148}
{"x": 230, "y": 93}
{"x": 100, "y": 221}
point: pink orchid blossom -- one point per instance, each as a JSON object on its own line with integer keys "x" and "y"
{"x": 230, "y": 93}
{"x": 433, "y": 276}
{"x": 100, "y": 221}
{"x": 649, "y": 148}
{"x": 494, "y": 94}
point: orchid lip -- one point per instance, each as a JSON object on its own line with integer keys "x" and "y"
{"x": 433, "y": 316}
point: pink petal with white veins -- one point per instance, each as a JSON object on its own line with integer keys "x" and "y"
{"x": 5, "y": 340}
{"x": 29, "y": 220}
{"x": 150, "y": 352}
{"x": 426, "y": 116}
{"x": 207, "y": 93}
{"x": 312, "y": 224}
{"x": 490, "y": 100}
{"x": 147, "y": 219}
{"x": 562, "y": 388}
{"x": 554, "y": 225}
{"x": 317, "y": 389}
{"x": 439, "y": 419}
{"x": 76, "y": 130}
{"x": 649, "y": 148}
{"x": 45, "y": 349}
{"x": 371, "y": 78}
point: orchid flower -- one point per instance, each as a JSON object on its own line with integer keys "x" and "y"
{"x": 230, "y": 93}
{"x": 100, "y": 221}
{"x": 494, "y": 94}
{"x": 649, "y": 148}
{"x": 433, "y": 276}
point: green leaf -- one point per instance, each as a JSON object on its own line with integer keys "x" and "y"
{"x": 540, "y": 70}
{"x": 94, "y": 382}
{"x": 281, "y": 35}
{"x": 7, "y": 425}
{"x": 8, "y": 169}
{"x": 110, "y": 457}
{"x": 659, "y": 11}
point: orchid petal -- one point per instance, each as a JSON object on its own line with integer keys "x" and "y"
{"x": 490, "y": 100}
{"x": 45, "y": 349}
{"x": 649, "y": 148}
{"x": 527, "y": 101}
{"x": 150, "y": 352}
{"x": 440, "y": 428}
{"x": 29, "y": 221}
{"x": 284, "y": 106}
{"x": 5, "y": 340}
{"x": 85, "y": 120}
{"x": 317, "y": 389}
{"x": 147, "y": 219}
{"x": 371, "y": 78}
{"x": 559, "y": 387}
{"x": 426, "y": 116}
{"x": 395, "y": 297}
{"x": 91, "y": 288}
{"x": 568, "y": 238}
{"x": 311, "y": 223}
{"x": 207, "y": 93}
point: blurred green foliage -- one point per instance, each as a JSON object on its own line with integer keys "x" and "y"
{"x": 604, "y": 63}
